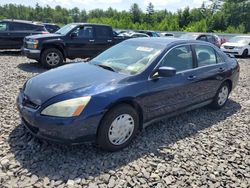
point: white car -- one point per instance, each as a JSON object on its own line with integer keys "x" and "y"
{"x": 133, "y": 34}
{"x": 239, "y": 45}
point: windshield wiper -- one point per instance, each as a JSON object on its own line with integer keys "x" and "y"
{"x": 107, "y": 67}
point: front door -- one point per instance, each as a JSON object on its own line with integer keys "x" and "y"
{"x": 170, "y": 94}
{"x": 80, "y": 43}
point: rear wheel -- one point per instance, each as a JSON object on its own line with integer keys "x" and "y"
{"x": 51, "y": 58}
{"x": 221, "y": 97}
{"x": 245, "y": 53}
{"x": 118, "y": 128}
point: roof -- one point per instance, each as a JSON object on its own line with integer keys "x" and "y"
{"x": 21, "y": 21}
{"x": 95, "y": 24}
{"x": 166, "y": 41}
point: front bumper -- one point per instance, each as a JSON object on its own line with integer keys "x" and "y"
{"x": 31, "y": 53}
{"x": 234, "y": 51}
{"x": 73, "y": 130}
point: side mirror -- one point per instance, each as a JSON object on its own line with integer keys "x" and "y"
{"x": 165, "y": 72}
{"x": 73, "y": 35}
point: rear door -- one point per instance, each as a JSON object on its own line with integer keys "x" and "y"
{"x": 210, "y": 71}
{"x": 103, "y": 38}
{"x": 17, "y": 33}
{"x": 4, "y": 35}
{"x": 80, "y": 42}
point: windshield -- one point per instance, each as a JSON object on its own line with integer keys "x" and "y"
{"x": 188, "y": 36}
{"x": 64, "y": 30}
{"x": 241, "y": 40}
{"x": 129, "y": 57}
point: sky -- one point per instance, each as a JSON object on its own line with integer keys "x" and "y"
{"x": 170, "y": 5}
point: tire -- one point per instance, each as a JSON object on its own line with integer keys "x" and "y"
{"x": 51, "y": 58}
{"x": 245, "y": 53}
{"x": 221, "y": 96}
{"x": 109, "y": 128}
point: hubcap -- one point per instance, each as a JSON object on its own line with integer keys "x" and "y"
{"x": 223, "y": 94}
{"x": 52, "y": 59}
{"x": 121, "y": 129}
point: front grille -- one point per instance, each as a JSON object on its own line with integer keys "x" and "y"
{"x": 229, "y": 47}
{"x": 28, "y": 103}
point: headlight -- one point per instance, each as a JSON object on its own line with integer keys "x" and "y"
{"x": 238, "y": 48}
{"x": 32, "y": 44}
{"x": 67, "y": 108}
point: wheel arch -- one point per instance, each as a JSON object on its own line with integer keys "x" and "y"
{"x": 130, "y": 102}
{"x": 57, "y": 46}
{"x": 230, "y": 83}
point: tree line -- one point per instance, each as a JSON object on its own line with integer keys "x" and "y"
{"x": 230, "y": 16}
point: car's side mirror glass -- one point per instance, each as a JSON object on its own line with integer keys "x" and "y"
{"x": 164, "y": 72}
{"x": 73, "y": 35}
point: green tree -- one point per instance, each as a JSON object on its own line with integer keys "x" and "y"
{"x": 149, "y": 16}
{"x": 136, "y": 13}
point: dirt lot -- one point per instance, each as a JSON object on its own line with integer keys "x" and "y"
{"x": 201, "y": 148}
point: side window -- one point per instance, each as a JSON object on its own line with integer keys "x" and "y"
{"x": 103, "y": 32}
{"x": 202, "y": 37}
{"x": 17, "y": 27}
{"x": 205, "y": 55}
{"x": 180, "y": 58}
{"x": 3, "y": 26}
{"x": 85, "y": 32}
{"x": 39, "y": 28}
{"x": 211, "y": 39}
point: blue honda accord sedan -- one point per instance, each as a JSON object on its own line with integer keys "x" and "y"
{"x": 124, "y": 89}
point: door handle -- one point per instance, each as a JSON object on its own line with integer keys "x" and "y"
{"x": 109, "y": 40}
{"x": 192, "y": 77}
{"x": 221, "y": 69}
{"x": 91, "y": 40}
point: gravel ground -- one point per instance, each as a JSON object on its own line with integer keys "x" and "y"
{"x": 201, "y": 148}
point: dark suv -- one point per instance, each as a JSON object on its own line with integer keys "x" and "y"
{"x": 12, "y": 32}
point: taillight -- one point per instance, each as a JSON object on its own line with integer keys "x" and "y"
{"x": 45, "y": 32}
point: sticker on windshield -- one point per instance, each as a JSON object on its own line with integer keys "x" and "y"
{"x": 144, "y": 49}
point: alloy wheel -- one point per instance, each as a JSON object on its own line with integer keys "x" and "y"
{"x": 52, "y": 59}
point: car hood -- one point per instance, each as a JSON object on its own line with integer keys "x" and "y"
{"x": 47, "y": 36}
{"x": 68, "y": 78}
{"x": 234, "y": 44}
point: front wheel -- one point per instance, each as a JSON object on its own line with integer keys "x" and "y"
{"x": 245, "y": 53}
{"x": 118, "y": 128}
{"x": 51, "y": 58}
{"x": 221, "y": 96}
